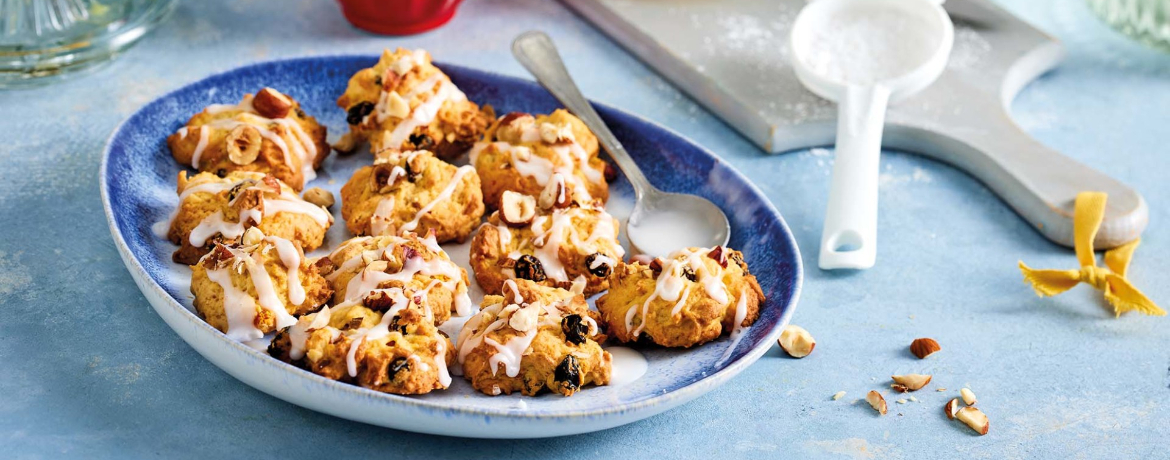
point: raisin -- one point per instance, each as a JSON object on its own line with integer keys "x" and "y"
{"x": 358, "y": 112}
{"x": 568, "y": 374}
{"x": 275, "y": 349}
{"x": 396, "y": 366}
{"x": 300, "y": 113}
{"x": 644, "y": 339}
{"x": 396, "y": 325}
{"x": 377, "y": 80}
{"x": 421, "y": 141}
{"x": 689, "y": 273}
{"x": 529, "y": 268}
{"x": 610, "y": 173}
{"x": 600, "y": 270}
{"x": 576, "y": 330}
{"x": 222, "y": 173}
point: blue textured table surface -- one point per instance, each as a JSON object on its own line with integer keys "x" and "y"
{"x": 89, "y": 370}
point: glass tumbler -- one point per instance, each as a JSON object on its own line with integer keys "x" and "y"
{"x": 1147, "y": 21}
{"x": 41, "y": 40}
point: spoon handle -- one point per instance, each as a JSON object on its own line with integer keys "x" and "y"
{"x": 537, "y": 53}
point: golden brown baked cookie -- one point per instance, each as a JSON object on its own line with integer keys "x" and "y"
{"x": 684, "y": 300}
{"x": 387, "y": 343}
{"x": 412, "y": 192}
{"x": 367, "y": 264}
{"x": 521, "y": 153}
{"x": 406, "y": 103}
{"x": 257, "y": 286}
{"x": 214, "y": 209}
{"x": 542, "y": 337}
{"x": 534, "y": 239}
{"x": 266, "y": 133}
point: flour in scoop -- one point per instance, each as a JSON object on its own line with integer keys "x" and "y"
{"x": 865, "y": 45}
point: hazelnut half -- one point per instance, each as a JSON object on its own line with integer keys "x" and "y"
{"x": 517, "y": 209}
{"x": 243, "y": 144}
{"x": 796, "y": 341}
{"x": 974, "y": 418}
{"x": 270, "y": 103}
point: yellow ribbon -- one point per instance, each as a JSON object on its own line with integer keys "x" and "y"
{"x": 1087, "y": 216}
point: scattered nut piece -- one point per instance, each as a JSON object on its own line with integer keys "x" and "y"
{"x": 347, "y": 144}
{"x": 243, "y": 144}
{"x": 838, "y": 395}
{"x": 319, "y": 197}
{"x": 974, "y": 418}
{"x": 398, "y": 107}
{"x": 517, "y": 209}
{"x": 968, "y": 396}
{"x": 796, "y": 341}
{"x": 912, "y": 382}
{"x": 252, "y": 235}
{"x": 940, "y": 389}
{"x": 524, "y": 319}
{"x": 912, "y": 398}
{"x": 555, "y": 194}
{"x": 269, "y": 103}
{"x": 902, "y": 401}
{"x": 899, "y": 388}
{"x": 924, "y": 347}
{"x": 512, "y": 127}
{"x": 876, "y": 401}
{"x": 555, "y": 134}
{"x": 951, "y": 407}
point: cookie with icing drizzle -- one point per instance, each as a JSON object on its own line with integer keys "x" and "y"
{"x": 365, "y": 264}
{"x": 256, "y": 286}
{"x": 521, "y": 152}
{"x": 214, "y": 209}
{"x": 412, "y": 192}
{"x": 406, "y": 103}
{"x": 531, "y": 339}
{"x": 388, "y": 343}
{"x": 266, "y": 133}
{"x": 560, "y": 247}
{"x": 689, "y": 298}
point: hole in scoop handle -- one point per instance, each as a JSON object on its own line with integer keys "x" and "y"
{"x": 849, "y": 238}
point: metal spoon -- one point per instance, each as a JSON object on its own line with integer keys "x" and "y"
{"x": 661, "y": 222}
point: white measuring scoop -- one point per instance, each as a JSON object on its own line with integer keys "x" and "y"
{"x": 864, "y": 54}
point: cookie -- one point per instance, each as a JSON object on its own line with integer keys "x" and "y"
{"x": 532, "y": 339}
{"x": 387, "y": 343}
{"x": 365, "y": 264}
{"x": 686, "y": 299}
{"x": 521, "y": 153}
{"x": 534, "y": 239}
{"x": 412, "y": 192}
{"x": 256, "y": 286}
{"x": 214, "y": 209}
{"x": 406, "y": 103}
{"x": 266, "y": 133}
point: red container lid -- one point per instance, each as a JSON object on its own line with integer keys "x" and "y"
{"x": 398, "y": 17}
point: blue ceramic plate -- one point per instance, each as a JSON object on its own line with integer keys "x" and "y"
{"x": 138, "y": 183}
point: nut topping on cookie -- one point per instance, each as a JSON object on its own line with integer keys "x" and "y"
{"x": 555, "y": 194}
{"x": 398, "y": 106}
{"x": 243, "y": 144}
{"x": 556, "y": 134}
{"x": 269, "y": 103}
{"x": 517, "y": 209}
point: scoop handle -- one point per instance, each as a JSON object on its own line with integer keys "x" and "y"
{"x": 849, "y": 237}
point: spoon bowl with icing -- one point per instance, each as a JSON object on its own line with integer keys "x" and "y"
{"x": 661, "y": 222}
{"x": 864, "y": 54}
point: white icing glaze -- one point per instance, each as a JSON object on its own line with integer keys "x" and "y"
{"x": 238, "y": 307}
{"x": 628, "y": 365}
{"x": 383, "y": 215}
{"x": 670, "y": 284}
{"x": 739, "y": 330}
{"x": 290, "y": 256}
{"x": 298, "y": 334}
{"x": 444, "y": 195}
